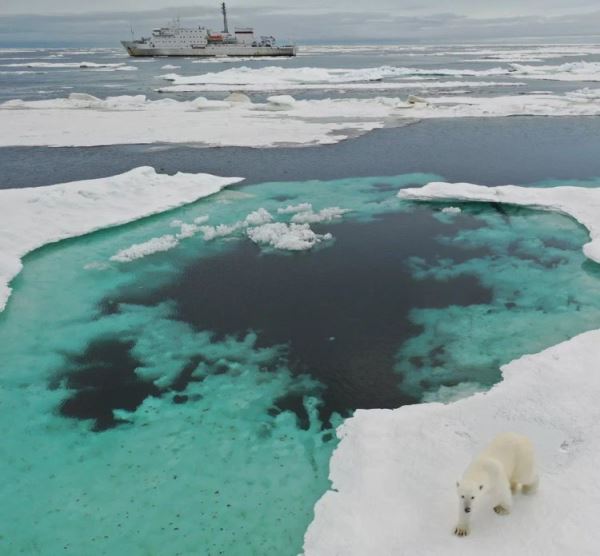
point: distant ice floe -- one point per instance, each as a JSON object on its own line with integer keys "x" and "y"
{"x": 581, "y": 203}
{"x": 276, "y": 78}
{"x": 134, "y": 119}
{"x": 33, "y": 217}
{"x": 583, "y": 102}
{"x": 572, "y": 71}
{"x": 73, "y": 65}
{"x": 391, "y": 495}
{"x": 170, "y": 67}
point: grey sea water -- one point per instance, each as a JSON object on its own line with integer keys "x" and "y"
{"x": 186, "y": 403}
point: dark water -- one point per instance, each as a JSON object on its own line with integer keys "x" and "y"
{"x": 342, "y": 311}
{"x": 489, "y": 151}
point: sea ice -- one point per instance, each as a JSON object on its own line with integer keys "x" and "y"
{"x": 394, "y": 471}
{"x": 135, "y": 119}
{"x": 581, "y": 203}
{"x": 33, "y": 217}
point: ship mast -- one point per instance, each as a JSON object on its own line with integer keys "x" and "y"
{"x": 224, "y": 10}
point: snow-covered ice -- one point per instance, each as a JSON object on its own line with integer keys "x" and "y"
{"x": 33, "y": 217}
{"x": 582, "y": 102}
{"x": 84, "y": 120}
{"x": 581, "y": 203}
{"x": 73, "y": 65}
{"x": 394, "y": 471}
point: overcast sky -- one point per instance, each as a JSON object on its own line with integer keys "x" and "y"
{"x": 75, "y": 22}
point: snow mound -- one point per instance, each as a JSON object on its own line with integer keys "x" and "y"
{"x": 33, "y": 217}
{"x": 394, "y": 471}
{"x": 581, "y": 203}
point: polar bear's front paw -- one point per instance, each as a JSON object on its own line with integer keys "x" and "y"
{"x": 501, "y": 510}
{"x": 461, "y": 531}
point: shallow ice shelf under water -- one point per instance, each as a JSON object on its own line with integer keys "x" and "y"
{"x": 187, "y": 399}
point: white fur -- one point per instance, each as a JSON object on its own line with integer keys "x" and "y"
{"x": 504, "y": 466}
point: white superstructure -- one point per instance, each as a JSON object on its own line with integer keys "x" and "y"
{"x": 175, "y": 40}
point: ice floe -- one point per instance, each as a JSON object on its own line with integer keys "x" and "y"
{"x": 581, "y": 203}
{"x": 33, "y": 217}
{"x": 582, "y": 102}
{"x": 134, "y": 119}
{"x": 73, "y": 65}
{"x": 572, "y": 71}
{"x": 273, "y": 78}
{"x": 393, "y": 474}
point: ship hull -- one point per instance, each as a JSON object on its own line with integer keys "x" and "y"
{"x": 209, "y": 51}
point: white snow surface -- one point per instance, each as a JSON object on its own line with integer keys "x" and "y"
{"x": 581, "y": 203}
{"x": 394, "y": 471}
{"x": 84, "y": 120}
{"x": 35, "y": 216}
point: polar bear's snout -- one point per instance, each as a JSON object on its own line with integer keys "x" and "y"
{"x": 467, "y": 509}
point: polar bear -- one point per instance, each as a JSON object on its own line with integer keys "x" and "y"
{"x": 506, "y": 464}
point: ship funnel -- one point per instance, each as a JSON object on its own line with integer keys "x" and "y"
{"x": 224, "y": 10}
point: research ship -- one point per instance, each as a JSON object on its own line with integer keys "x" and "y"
{"x": 175, "y": 40}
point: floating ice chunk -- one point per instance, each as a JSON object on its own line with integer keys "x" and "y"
{"x": 170, "y": 67}
{"x": 222, "y": 230}
{"x": 258, "y": 217}
{"x": 325, "y": 215}
{"x": 289, "y": 237}
{"x": 581, "y": 203}
{"x": 451, "y": 210}
{"x": 140, "y": 250}
{"x": 291, "y": 209}
{"x": 413, "y": 99}
{"x": 201, "y": 219}
{"x": 33, "y": 217}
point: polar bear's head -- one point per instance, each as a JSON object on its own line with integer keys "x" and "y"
{"x": 469, "y": 491}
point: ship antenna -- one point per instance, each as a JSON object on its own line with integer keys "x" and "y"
{"x": 224, "y": 10}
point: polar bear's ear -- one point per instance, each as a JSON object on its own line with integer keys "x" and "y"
{"x": 480, "y": 487}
